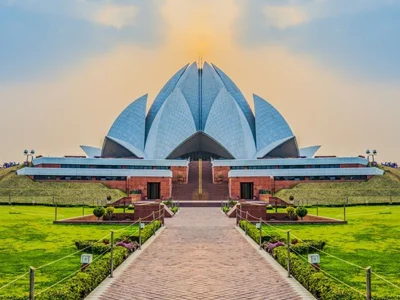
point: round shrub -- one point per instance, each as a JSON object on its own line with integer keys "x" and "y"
{"x": 301, "y": 212}
{"x": 290, "y": 210}
{"x": 99, "y": 211}
{"x": 110, "y": 210}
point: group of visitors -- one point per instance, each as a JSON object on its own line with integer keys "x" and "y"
{"x": 390, "y": 164}
{"x": 7, "y": 165}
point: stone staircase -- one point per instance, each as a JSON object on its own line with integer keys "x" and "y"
{"x": 190, "y": 190}
{"x": 213, "y": 191}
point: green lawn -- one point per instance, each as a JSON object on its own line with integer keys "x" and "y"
{"x": 30, "y": 239}
{"x": 369, "y": 239}
{"x": 379, "y": 189}
{"x": 21, "y": 189}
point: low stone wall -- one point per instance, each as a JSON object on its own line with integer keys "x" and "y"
{"x": 280, "y": 217}
{"x": 143, "y": 211}
{"x": 307, "y": 220}
{"x": 255, "y": 211}
{"x": 252, "y": 211}
{"x": 92, "y": 219}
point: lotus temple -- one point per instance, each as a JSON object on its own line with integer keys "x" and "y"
{"x": 200, "y": 140}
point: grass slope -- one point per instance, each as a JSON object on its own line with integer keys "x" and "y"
{"x": 379, "y": 189}
{"x": 6, "y": 172}
{"x": 369, "y": 239}
{"x": 24, "y": 190}
{"x": 29, "y": 238}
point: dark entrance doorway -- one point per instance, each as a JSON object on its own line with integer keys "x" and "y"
{"x": 153, "y": 190}
{"x": 246, "y": 190}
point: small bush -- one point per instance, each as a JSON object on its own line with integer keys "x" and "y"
{"x": 91, "y": 246}
{"x": 269, "y": 247}
{"x": 252, "y": 230}
{"x": 135, "y": 192}
{"x": 131, "y": 247}
{"x": 167, "y": 203}
{"x": 232, "y": 203}
{"x": 99, "y": 211}
{"x": 225, "y": 209}
{"x": 301, "y": 212}
{"x": 265, "y": 192}
{"x": 175, "y": 209}
{"x": 147, "y": 232}
{"x": 308, "y": 246}
{"x": 109, "y": 211}
{"x": 291, "y": 211}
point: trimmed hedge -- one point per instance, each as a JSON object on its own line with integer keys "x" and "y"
{"x": 147, "y": 232}
{"x": 319, "y": 284}
{"x": 80, "y": 285}
{"x": 252, "y": 230}
{"x": 91, "y": 246}
{"x": 225, "y": 209}
{"x": 254, "y": 233}
{"x": 83, "y": 283}
{"x": 308, "y": 246}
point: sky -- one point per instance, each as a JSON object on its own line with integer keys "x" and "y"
{"x": 69, "y": 67}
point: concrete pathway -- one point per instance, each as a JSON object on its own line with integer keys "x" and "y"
{"x": 200, "y": 255}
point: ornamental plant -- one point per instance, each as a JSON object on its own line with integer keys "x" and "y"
{"x": 109, "y": 211}
{"x": 135, "y": 192}
{"x": 265, "y": 192}
{"x": 291, "y": 211}
{"x": 271, "y": 246}
{"x": 301, "y": 212}
{"x": 180, "y": 177}
{"x": 99, "y": 211}
{"x": 131, "y": 247}
{"x": 225, "y": 209}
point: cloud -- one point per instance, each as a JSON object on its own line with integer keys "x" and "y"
{"x": 44, "y": 38}
{"x": 284, "y": 16}
{"x": 116, "y": 16}
{"x": 298, "y": 69}
{"x": 357, "y": 37}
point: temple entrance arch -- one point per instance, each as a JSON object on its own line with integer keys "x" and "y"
{"x": 200, "y": 145}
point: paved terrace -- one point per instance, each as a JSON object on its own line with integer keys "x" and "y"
{"x": 200, "y": 255}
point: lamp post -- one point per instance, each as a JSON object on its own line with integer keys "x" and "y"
{"x": 27, "y": 154}
{"x": 371, "y": 154}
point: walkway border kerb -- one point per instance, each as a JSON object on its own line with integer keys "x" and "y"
{"x": 96, "y": 293}
{"x": 292, "y": 282}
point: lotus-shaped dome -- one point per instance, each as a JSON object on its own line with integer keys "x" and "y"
{"x": 200, "y": 112}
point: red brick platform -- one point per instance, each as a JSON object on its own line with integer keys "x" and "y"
{"x": 200, "y": 255}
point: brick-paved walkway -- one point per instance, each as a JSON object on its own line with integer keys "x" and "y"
{"x": 200, "y": 255}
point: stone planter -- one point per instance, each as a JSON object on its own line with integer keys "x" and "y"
{"x": 265, "y": 197}
{"x": 135, "y": 197}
